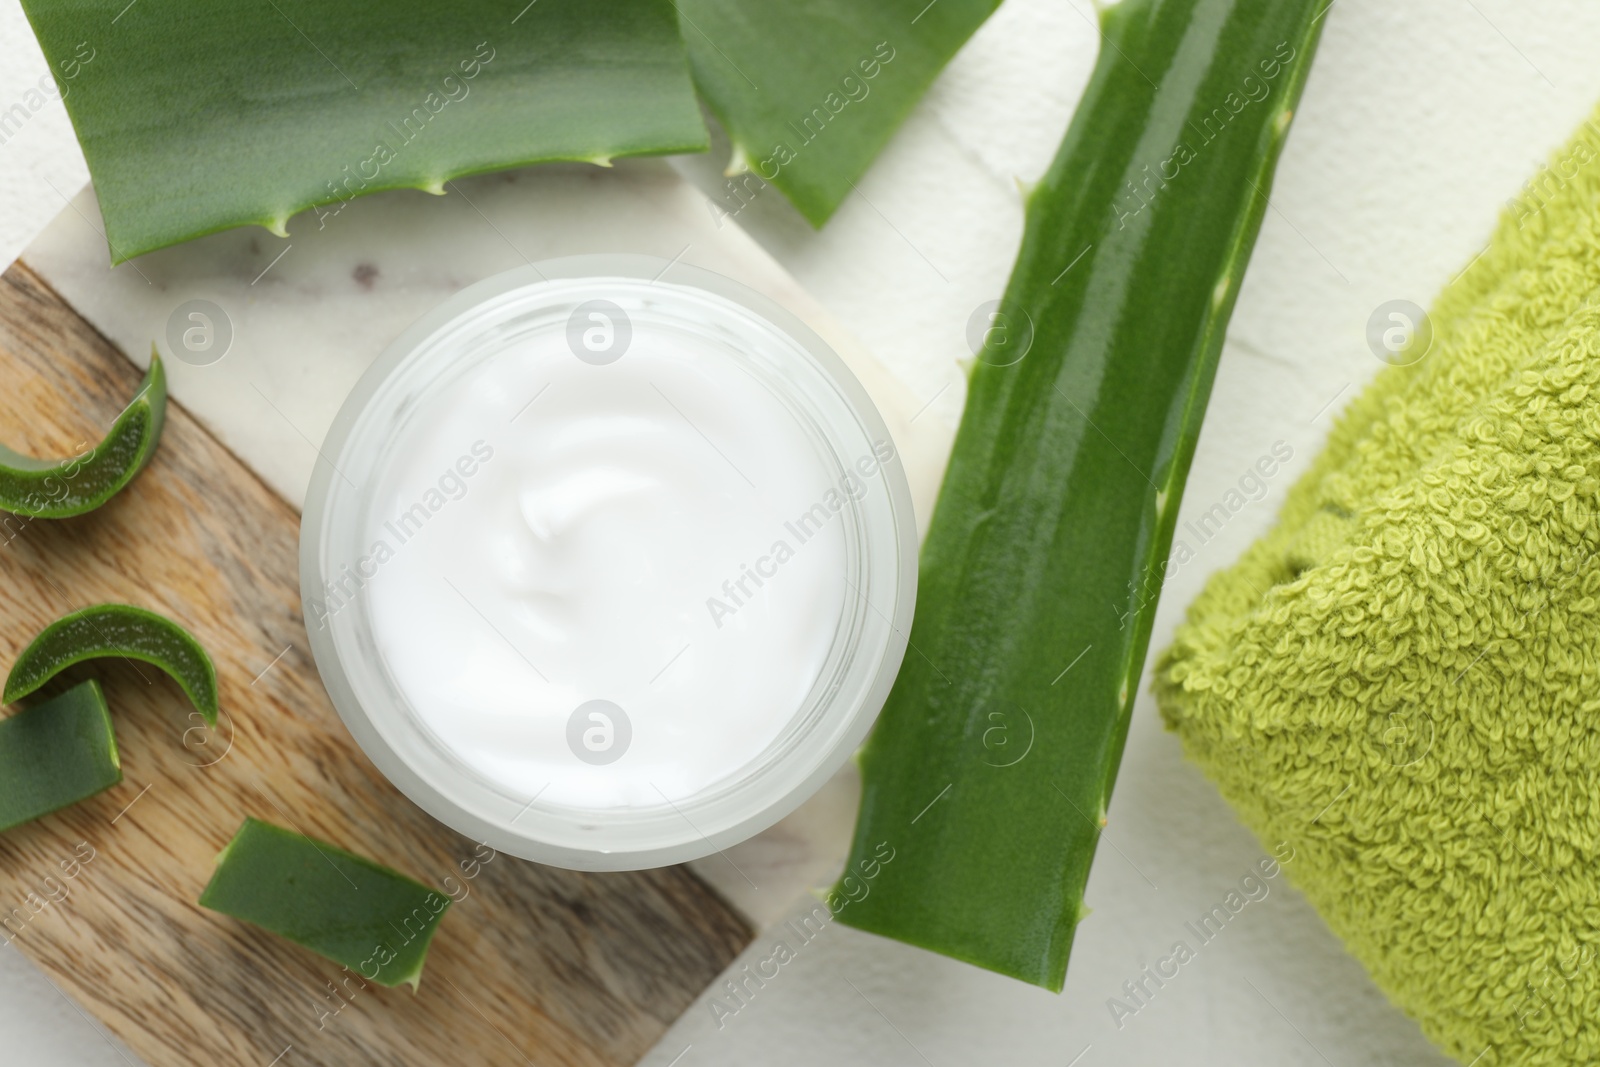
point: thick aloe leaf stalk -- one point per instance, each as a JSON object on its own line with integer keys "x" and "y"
{"x": 810, "y": 91}
{"x": 196, "y": 117}
{"x": 991, "y": 768}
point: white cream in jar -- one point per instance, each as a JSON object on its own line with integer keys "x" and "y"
{"x": 608, "y": 546}
{"x": 608, "y": 570}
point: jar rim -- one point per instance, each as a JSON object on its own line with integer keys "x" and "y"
{"x": 880, "y": 594}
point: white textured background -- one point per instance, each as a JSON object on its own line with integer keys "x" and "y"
{"x": 1420, "y": 120}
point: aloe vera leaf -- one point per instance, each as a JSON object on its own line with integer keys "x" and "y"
{"x": 55, "y": 754}
{"x": 350, "y": 910}
{"x": 811, "y": 92}
{"x": 123, "y": 631}
{"x": 200, "y": 117}
{"x": 58, "y": 488}
{"x": 991, "y": 767}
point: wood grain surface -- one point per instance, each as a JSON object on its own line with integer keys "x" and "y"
{"x": 532, "y": 965}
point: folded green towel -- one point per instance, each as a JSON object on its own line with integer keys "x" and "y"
{"x": 1402, "y": 679}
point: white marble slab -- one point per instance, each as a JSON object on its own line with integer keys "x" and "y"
{"x": 307, "y": 314}
{"x": 300, "y": 320}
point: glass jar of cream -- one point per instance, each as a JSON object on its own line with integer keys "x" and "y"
{"x": 606, "y": 565}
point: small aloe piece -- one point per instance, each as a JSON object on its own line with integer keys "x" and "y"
{"x": 123, "y": 631}
{"x": 55, "y": 754}
{"x": 350, "y": 910}
{"x": 810, "y": 93}
{"x": 58, "y": 488}
{"x": 991, "y": 768}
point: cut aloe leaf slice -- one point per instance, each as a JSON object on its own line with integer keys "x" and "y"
{"x": 58, "y": 488}
{"x": 123, "y": 631}
{"x": 350, "y": 910}
{"x": 55, "y": 754}
{"x": 990, "y": 770}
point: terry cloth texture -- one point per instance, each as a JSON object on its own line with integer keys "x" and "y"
{"x": 1403, "y": 678}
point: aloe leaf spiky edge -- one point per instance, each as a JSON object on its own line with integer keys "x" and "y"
{"x": 991, "y": 766}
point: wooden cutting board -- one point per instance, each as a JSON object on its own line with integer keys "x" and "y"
{"x": 532, "y": 965}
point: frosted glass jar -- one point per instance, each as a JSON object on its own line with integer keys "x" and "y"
{"x": 608, "y": 567}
